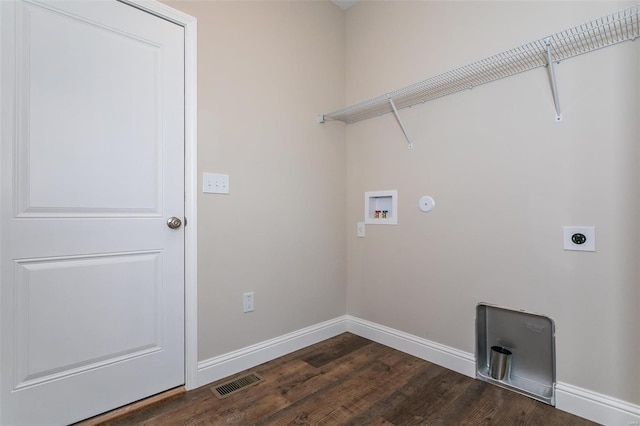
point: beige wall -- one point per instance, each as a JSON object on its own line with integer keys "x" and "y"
{"x": 265, "y": 70}
{"x": 505, "y": 178}
{"x": 504, "y": 175}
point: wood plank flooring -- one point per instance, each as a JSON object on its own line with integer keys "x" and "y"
{"x": 349, "y": 380}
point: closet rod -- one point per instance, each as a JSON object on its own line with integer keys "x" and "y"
{"x": 605, "y": 31}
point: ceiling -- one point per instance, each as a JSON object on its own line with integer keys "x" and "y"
{"x": 344, "y": 4}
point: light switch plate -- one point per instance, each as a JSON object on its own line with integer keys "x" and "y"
{"x": 215, "y": 183}
{"x": 360, "y": 230}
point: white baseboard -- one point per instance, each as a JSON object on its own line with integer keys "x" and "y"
{"x": 445, "y": 356}
{"x": 231, "y": 363}
{"x": 596, "y": 406}
{"x": 572, "y": 399}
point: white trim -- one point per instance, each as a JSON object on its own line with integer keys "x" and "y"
{"x": 191, "y": 204}
{"x": 596, "y": 406}
{"x": 572, "y": 399}
{"x": 161, "y": 10}
{"x": 233, "y": 362}
{"x": 445, "y": 356}
{"x": 189, "y": 24}
{"x": 230, "y": 363}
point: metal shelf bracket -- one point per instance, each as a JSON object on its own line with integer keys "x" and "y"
{"x": 395, "y": 112}
{"x": 552, "y": 77}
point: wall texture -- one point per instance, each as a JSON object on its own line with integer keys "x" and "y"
{"x": 265, "y": 70}
{"x": 505, "y": 177}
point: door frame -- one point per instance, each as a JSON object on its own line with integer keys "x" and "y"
{"x": 189, "y": 23}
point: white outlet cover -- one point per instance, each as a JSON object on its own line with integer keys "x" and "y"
{"x": 247, "y": 302}
{"x": 360, "y": 230}
{"x": 588, "y": 231}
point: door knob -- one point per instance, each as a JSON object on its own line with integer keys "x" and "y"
{"x": 174, "y": 223}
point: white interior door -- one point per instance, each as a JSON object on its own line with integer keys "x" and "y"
{"x": 92, "y": 157}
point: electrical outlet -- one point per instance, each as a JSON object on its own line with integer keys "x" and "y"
{"x": 360, "y": 229}
{"x": 580, "y": 238}
{"x": 247, "y": 302}
{"x": 215, "y": 183}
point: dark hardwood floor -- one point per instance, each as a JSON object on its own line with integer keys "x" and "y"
{"x": 349, "y": 380}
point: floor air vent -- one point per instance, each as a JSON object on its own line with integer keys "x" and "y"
{"x": 236, "y": 385}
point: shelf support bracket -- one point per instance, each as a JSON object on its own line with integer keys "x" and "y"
{"x": 552, "y": 77}
{"x": 395, "y": 112}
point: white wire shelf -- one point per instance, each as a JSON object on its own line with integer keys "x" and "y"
{"x": 605, "y": 31}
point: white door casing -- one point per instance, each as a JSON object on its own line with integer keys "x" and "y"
{"x": 91, "y": 284}
{"x": 190, "y": 26}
